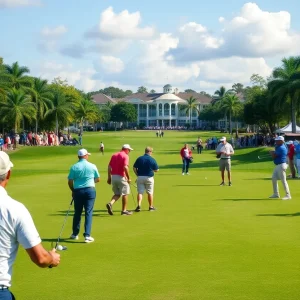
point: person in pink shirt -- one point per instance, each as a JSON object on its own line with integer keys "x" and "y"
{"x": 118, "y": 177}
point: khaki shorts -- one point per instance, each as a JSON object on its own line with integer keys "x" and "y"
{"x": 225, "y": 164}
{"x": 145, "y": 183}
{"x": 120, "y": 186}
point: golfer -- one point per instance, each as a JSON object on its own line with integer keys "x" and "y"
{"x": 17, "y": 227}
{"x": 81, "y": 180}
{"x": 280, "y": 157}
{"x": 225, "y": 151}
{"x": 186, "y": 155}
{"x": 102, "y": 148}
{"x": 118, "y": 177}
{"x": 290, "y": 157}
{"x": 144, "y": 168}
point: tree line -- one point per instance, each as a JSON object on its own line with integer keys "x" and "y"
{"x": 33, "y": 103}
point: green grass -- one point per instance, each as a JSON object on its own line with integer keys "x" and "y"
{"x": 204, "y": 241}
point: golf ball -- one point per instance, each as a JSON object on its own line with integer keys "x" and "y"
{"x": 59, "y": 247}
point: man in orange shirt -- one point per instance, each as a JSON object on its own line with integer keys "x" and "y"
{"x": 118, "y": 177}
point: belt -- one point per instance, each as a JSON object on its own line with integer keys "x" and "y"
{"x": 3, "y": 287}
{"x": 224, "y": 158}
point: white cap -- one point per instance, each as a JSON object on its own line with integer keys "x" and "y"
{"x": 126, "y": 146}
{"x": 279, "y": 138}
{"x": 5, "y": 163}
{"x": 289, "y": 143}
{"x": 296, "y": 142}
{"x": 83, "y": 152}
{"x": 223, "y": 138}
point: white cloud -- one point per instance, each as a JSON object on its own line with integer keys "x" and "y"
{"x": 123, "y": 25}
{"x": 81, "y": 78}
{"x": 111, "y": 64}
{"x": 54, "y": 32}
{"x": 19, "y": 3}
{"x": 50, "y": 38}
{"x": 253, "y": 33}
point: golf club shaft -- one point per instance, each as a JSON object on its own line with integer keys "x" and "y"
{"x": 64, "y": 223}
{"x": 132, "y": 193}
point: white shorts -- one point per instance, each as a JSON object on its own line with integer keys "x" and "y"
{"x": 145, "y": 183}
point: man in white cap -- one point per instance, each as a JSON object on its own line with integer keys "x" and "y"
{"x": 81, "y": 180}
{"x": 224, "y": 152}
{"x": 290, "y": 156}
{"x": 118, "y": 177}
{"x": 17, "y": 227}
{"x": 279, "y": 156}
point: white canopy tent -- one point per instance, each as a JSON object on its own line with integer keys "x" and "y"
{"x": 288, "y": 129}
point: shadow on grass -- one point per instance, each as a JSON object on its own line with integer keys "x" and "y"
{"x": 62, "y": 241}
{"x": 246, "y": 199}
{"x": 96, "y": 213}
{"x": 195, "y": 185}
{"x": 297, "y": 214}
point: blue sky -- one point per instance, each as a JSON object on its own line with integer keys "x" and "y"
{"x": 190, "y": 44}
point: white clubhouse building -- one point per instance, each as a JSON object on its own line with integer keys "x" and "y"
{"x": 162, "y": 109}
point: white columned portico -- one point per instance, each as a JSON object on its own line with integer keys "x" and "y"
{"x": 147, "y": 115}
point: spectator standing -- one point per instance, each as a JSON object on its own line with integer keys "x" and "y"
{"x": 1, "y": 142}
{"x": 225, "y": 151}
{"x": 199, "y": 145}
{"x": 291, "y": 153}
{"x": 186, "y": 155}
{"x": 101, "y": 148}
{"x": 144, "y": 168}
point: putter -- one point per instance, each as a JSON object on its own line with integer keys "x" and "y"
{"x": 57, "y": 246}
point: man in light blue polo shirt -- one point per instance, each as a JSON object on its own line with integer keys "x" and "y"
{"x": 279, "y": 156}
{"x": 144, "y": 168}
{"x": 81, "y": 180}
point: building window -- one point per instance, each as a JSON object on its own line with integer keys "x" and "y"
{"x": 166, "y": 109}
{"x": 152, "y": 110}
{"x": 181, "y": 123}
{"x": 160, "y": 110}
{"x": 173, "y": 109}
{"x": 152, "y": 122}
{"x": 181, "y": 110}
{"x": 143, "y": 111}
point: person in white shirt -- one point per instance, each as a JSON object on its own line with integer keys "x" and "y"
{"x": 224, "y": 152}
{"x": 17, "y": 227}
{"x": 102, "y": 148}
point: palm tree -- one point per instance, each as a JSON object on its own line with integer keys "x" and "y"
{"x": 42, "y": 96}
{"x": 190, "y": 107}
{"x": 230, "y": 103}
{"x": 16, "y": 106}
{"x": 218, "y": 97}
{"x": 286, "y": 85}
{"x": 62, "y": 109}
{"x": 87, "y": 111}
{"x": 14, "y": 76}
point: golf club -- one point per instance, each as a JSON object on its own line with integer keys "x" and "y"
{"x": 57, "y": 246}
{"x": 132, "y": 193}
{"x": 263, "y": 156}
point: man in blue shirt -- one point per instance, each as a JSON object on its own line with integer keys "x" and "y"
{"x": 144, "y": 168}
{"x": 280, "y": 157}
{"x": 81, "y": 180}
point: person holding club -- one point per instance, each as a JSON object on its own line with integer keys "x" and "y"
{"x": 118, "y": 177}
{"x": 81, "y": 180}
{"x": 280, "y": 158}
{"x": 144, "y": 168}
{"x": 17, "y": 227}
